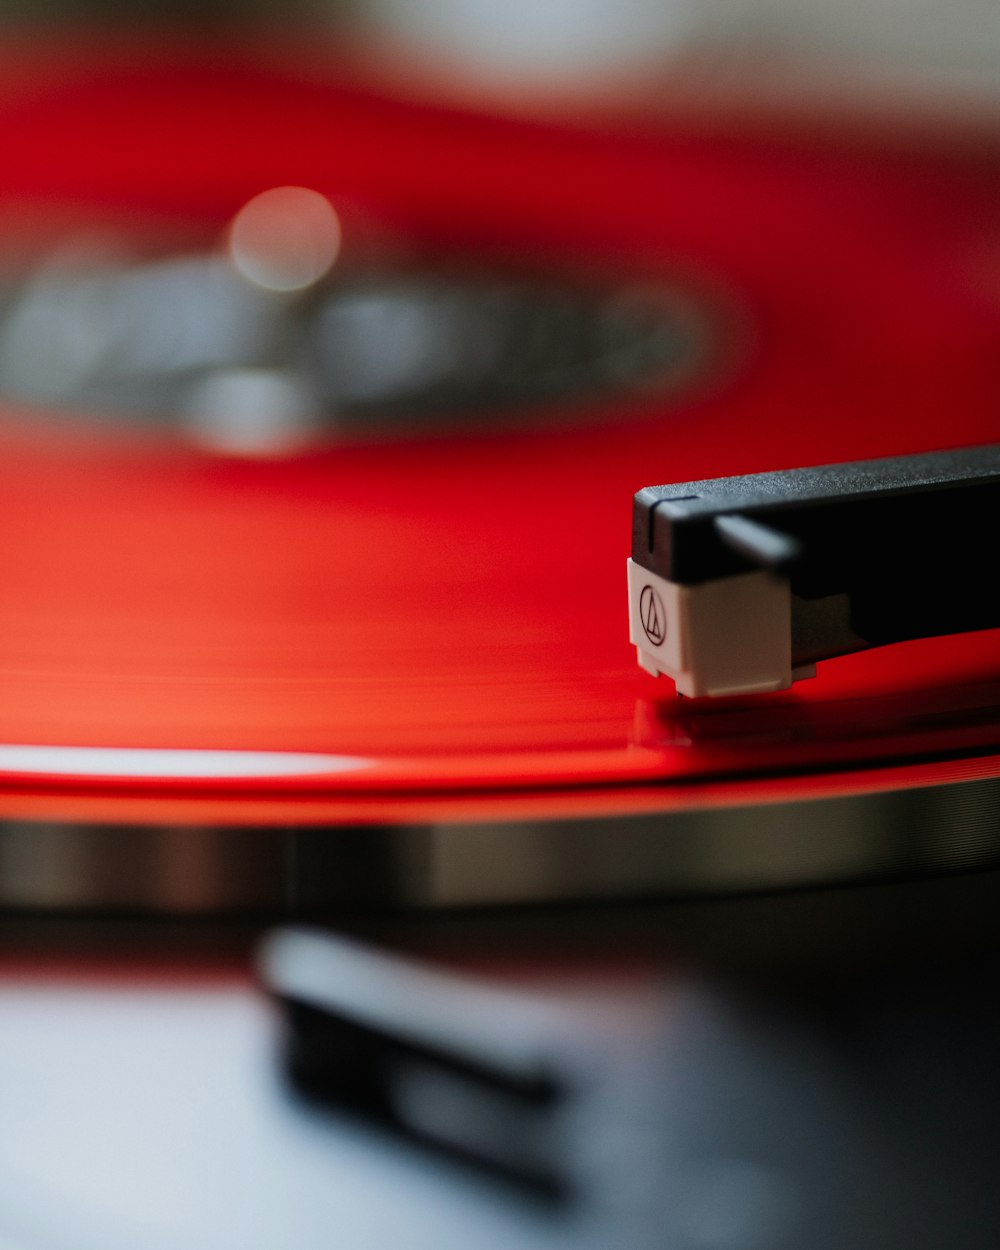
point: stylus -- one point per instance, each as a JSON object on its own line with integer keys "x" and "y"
{"x": 740, "y": 585}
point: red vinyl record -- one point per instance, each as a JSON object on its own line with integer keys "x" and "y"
{"x": 411, "y": 613}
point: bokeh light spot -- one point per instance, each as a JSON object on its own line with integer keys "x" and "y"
{"x": 285, "y": 239}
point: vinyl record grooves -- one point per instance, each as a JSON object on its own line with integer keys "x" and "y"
{"x": 313, "y": 594}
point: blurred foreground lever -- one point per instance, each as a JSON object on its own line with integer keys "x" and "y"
{"x": 739, "y": 585}
{"x": 474, "y": 1071}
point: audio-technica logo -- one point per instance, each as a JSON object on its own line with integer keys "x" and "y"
{"x": 652, "y": 615}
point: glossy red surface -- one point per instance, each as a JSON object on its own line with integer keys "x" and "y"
{"x": 451, "y": 611}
